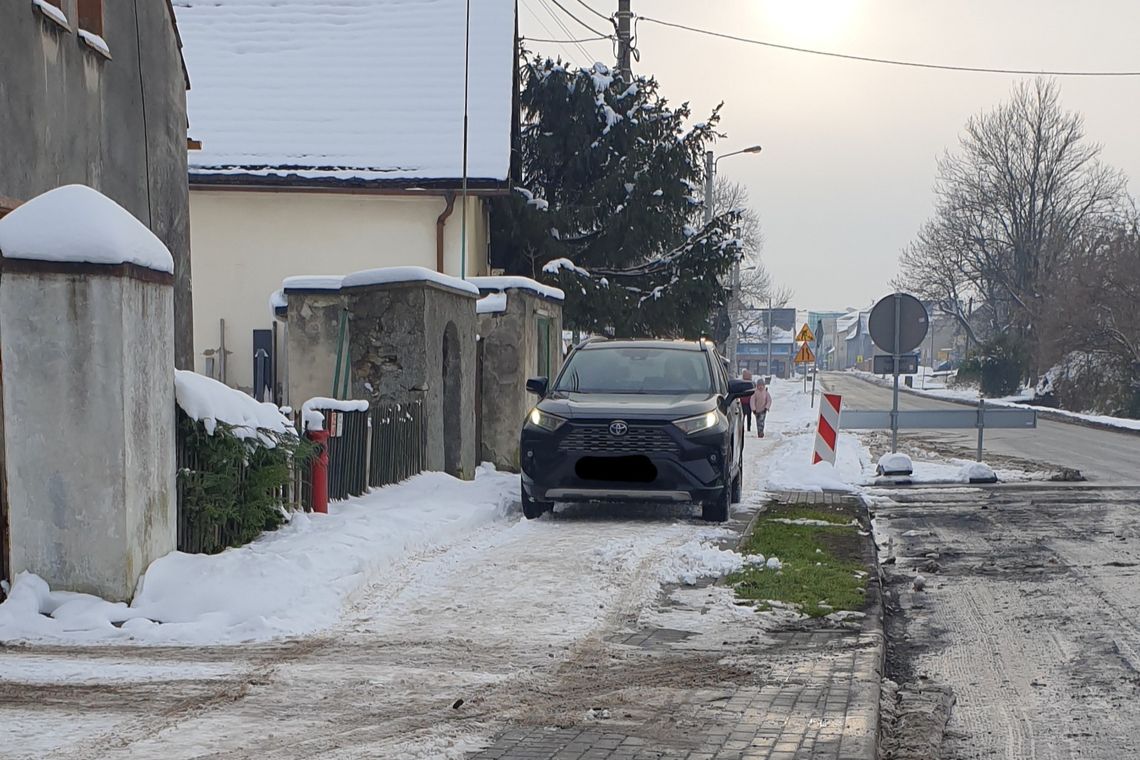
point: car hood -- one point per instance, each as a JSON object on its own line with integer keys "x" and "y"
{"x": 609, "y": 406}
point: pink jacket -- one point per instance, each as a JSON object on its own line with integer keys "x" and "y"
{"x": 761, "y": 400}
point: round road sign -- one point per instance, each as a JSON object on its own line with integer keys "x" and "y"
{"x": 911, "y": 323}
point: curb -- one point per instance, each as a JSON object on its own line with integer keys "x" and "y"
{"x": 876, "y": 628}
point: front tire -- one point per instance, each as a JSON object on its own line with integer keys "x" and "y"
{"x": 717, "y": 510}
{"x": 533, "y": 509}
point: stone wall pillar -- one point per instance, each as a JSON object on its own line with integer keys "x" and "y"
{"x": 311, "y": 335}
{"x": 414, "y": 340}
{"x": 511, "y": 355}
{"x": 87, "y": 326}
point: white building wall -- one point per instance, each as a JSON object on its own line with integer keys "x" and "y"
{"x": 244, "y": 243}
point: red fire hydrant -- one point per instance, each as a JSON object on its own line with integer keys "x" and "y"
{"x": 319, "y": 475}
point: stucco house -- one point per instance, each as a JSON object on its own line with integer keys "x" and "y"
{"x": 93, "y": 92}
{"x": 332, "y": 140}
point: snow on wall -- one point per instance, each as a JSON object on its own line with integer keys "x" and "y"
{"x": 74, "y": 223}
{"x": 388, "y": 275}
{"x": 494, "y": 303}
{"x": 346, "y": 89}
{"x": 312, "y": 282}
{"x": 517, "y": 283}
{"x": 206, "y": 400}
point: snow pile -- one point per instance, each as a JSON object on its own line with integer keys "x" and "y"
{"x": 74, "y": 223}
{"x": 495, "y": 303}
{"x": 791, "y": 425}
{"x": 977, "y": 472}
{"x": 394, "y": 275}
{"x": 503, "y": 283}
{"x": 895, "y": 463}
{"x": 205, "y": 400}
{"x": 291, "y": 582}
{"x": 697, "y": 559}
{"x": 348, "y": 90}
{"x": 774, "y": 563}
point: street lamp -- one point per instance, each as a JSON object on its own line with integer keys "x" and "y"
{"x": 734, "y": 293}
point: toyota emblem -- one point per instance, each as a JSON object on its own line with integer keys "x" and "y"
{"x": 618, "y": 428}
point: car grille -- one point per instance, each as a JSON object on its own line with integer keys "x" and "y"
{"x": 597, "y": 439}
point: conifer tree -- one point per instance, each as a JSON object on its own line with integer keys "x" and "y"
{"x": 610, "y": 206}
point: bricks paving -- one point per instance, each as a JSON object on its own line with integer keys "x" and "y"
{"x": 812, "y": 693}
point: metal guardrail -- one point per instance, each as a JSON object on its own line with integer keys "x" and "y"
{"x": 399, "y": 443}
{"x": 942, "y": 419}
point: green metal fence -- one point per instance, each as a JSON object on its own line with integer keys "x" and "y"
{"x": 399, "y": 443}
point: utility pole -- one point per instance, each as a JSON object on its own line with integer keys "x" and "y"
{"x": 623, "y": 31}
{"x": 769, "y": 337}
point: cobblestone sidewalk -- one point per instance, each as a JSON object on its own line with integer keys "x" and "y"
{"x": 810, "y": 691}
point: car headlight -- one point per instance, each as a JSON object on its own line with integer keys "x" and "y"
{"x": 691, "y": 425}
{"x": 541, "y": 419}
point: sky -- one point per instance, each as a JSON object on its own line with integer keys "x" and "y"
{"x": 850, "y": 148}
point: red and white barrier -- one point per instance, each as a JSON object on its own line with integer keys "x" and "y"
{"x": 827, "y": 434}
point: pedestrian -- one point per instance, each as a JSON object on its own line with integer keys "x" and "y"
{"x": 761, "y": 403}
{"x": 746, "y": 403}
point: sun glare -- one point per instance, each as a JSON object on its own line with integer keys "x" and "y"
{"x": 808, "y": 21}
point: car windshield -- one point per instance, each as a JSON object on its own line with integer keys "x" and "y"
{"x": 636, "y": 370}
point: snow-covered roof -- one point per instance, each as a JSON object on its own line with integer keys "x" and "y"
{"x": 351, "y": 90}
{"x": 847, "y": 321}
{"x": 390, "y": 275}
{"x": 503, "y": 283}
{"x": 75, "y": 223}
{"x": 495, "y": 303}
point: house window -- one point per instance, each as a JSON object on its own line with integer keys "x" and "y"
{"x": 91, "y": 16}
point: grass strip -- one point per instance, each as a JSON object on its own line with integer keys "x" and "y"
{"x": 823, "y": 568}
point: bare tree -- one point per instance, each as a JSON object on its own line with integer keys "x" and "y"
{"x": 1023, "y": 188}
{"x": 757, "y": 286}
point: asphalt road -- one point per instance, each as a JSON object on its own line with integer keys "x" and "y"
{"x": 1102, "y": 456}
{"x": 1029, "y": 615}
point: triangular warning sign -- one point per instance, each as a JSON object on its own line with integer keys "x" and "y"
{"x": 805, "y": 335}
{"x": 805, "y": 356}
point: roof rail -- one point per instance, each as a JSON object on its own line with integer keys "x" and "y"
{"x": 592, "y": 339}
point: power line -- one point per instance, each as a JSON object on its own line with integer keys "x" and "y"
{"x": 889, "y": 61}
{"x": 580, "y": 39}
{"x": 571, "y": 15}
{"x": 541, "y": 23}
{"x": 566, "y": 30}
{"x": 597, "y": 13}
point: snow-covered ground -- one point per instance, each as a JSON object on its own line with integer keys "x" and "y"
{"x": 300, "y": 580}
{"x": 352, "y": 634}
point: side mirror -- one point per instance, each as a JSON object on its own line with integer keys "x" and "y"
{"x": 740, "y": 389}
{"x": 537, "y": 385}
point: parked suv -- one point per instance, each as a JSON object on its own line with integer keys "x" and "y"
{"x": 646, "y": 421}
